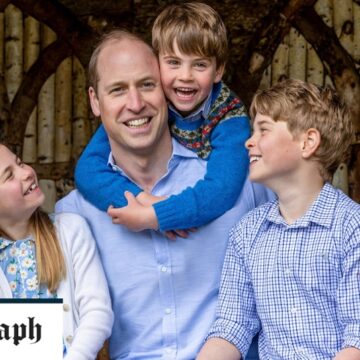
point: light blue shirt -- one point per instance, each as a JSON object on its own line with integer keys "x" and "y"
{"x": 164, "y": 292}
{"x": 299, "y": 282}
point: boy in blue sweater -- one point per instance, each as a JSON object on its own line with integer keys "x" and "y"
{"x": 204, "y": 115}
{"x": 292, "y": 265}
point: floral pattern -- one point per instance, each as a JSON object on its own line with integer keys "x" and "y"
{"x": 18, "y": 262}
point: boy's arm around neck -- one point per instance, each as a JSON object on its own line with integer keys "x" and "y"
{"x": 211, "y": 197}
{"x": 96, "y": 181}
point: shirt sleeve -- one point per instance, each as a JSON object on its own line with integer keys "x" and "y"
{"x": 236, "y": 318}
{"x": 211, "y": 197}
{"x": 91, "y": 294}
{"x": 348, "y": 294}
{"x": 96, "y": 181}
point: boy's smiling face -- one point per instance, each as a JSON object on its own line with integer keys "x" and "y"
{"x": 275, "y": 154}
{"x": 187, "y": 80}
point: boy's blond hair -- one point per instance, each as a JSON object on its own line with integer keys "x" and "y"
{"x": 195, "y": 27}
{"x": 304, "y": 106}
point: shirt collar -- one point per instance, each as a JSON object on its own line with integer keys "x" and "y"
{"x": 201, "y": 112}
{"x": 4, "y": 243}
{"x": 178, "y": 152}
{"x": 324, "y": 204}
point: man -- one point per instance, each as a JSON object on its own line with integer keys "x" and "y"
{"x": 163, "y": 291}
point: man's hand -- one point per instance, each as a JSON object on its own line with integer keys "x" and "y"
{"x": 134, "y": 216}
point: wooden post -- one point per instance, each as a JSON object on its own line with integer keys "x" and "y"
{"x": 49, "y": 189}
{"x": 297, "y": 55}
{"x": 31, "y": 53}
{"x": 343, "y": 23}
{"x": 81, "y": 125}
{"x": 13, "y": 49}
{"x": 265, "y": 82}
{"x": 280, "y": 62}
{"x": 46, "y": 105}
{"x": 63, "y": 111}
{"x": 356, "y": 10}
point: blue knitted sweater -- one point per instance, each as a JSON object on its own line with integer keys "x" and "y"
{"x": 220, "y": 139}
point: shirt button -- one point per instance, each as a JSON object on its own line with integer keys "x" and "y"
{"x": 69, "y": 339}
{"x": 167, "y": 311}
{"x": 163, "y": 268}
{"x": 66, "y": 307}
{"x": 293, "y": 310}
{"x": 287, "y": 271}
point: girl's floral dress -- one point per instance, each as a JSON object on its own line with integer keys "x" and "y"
{"x": 18, "y": 262}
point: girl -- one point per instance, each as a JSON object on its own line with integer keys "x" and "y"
{"x": 51, "y": 258}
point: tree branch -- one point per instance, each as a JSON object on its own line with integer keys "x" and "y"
{"x": 66, "y": 25}
{"x": 339, "y": 63}
{"x": 26, "y": 97}
{"x": 263, "y": 47}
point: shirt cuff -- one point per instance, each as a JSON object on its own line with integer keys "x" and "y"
{"x": 239, "y": 335}
{"x": 352, "y": 336}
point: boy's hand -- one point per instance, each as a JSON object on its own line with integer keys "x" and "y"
{"x": 134, "y": 216}
{"x": 173, "y": 234}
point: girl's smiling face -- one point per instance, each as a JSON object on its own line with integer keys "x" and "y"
{"x": 20, "y": 194}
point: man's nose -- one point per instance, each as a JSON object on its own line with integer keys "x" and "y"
{"x": 135, "y": 101}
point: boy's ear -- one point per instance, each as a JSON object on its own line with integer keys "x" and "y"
{"x": 310, "y": 142}
{"x": 219, "y": 73}
{"x": 94, "y": 101}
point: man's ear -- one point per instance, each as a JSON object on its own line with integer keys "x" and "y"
{"x": 310, "y": 142}
{"x": 94, "y": 101}
{"x": 219, "y": 73}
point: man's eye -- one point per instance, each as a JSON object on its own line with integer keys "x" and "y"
{"x": 117, "y": 90}
{"x": 148, "y": 85}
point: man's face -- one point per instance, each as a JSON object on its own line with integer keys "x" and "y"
{"x": 129, "y": 98}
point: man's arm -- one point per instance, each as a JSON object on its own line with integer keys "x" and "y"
{"x": 218, "y": 349}
{"x": 349, "y": 353}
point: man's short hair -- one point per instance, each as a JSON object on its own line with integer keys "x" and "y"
{"x": 113, "y": 35}
{"x": 195, "y": 27}
{"x": 303, "y": 106}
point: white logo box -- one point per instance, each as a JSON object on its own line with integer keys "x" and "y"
{"x": 31, "y": 329}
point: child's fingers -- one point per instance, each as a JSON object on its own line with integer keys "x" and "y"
{"x": 182, "y": 233}
{"x": 129, "y": 197}
{"x": 170, "y": 235}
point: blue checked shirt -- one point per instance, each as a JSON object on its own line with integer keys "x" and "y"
{"x": 298, "y": 283}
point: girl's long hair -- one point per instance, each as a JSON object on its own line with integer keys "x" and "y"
{"x": 49, "y": 256}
